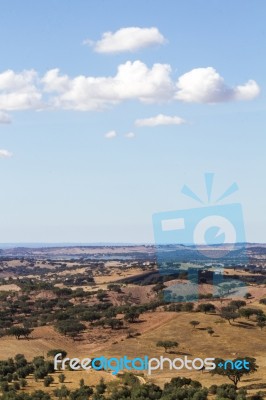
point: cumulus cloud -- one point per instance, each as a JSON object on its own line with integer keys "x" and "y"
{"x": 205, "y": 85}
{"x": 110, "y": 135}
{"x": 160, "y": 119}
{"x": 127, "y": 39}
{"x": 248, "y": 91}
{"x": 133, "y": 80}
{"x": 5, "y": 153}
{"x": 4, "y": 118}
{"x": 130, "y": 135}
{"x": 18, "y": 91}
{"x": 136, "y": 81}
{"x": 53, "y": 82}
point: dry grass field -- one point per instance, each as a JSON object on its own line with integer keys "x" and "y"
{"x": 241, "y": 338}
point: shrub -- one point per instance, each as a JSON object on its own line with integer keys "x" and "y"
{"x": 48, "y": 380}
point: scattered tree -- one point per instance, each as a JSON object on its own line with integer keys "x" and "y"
{"x": 61, "y": 378}
{"x": 19, "y": 331}
{"x": 232, "y": 373}
{"x": 194, "y": 323}
{"x": 229, "y": 314}
{"x": 166, "y": 344}
{"x": 48, "y": 380}
{"x": 206, "y": 307}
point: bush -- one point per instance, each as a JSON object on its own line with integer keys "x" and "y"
{"x": 48, "y": 380}
{"x": 213, "y": 389}
{"x": 16, "y": 386}
{"x": 187, "y": 307}
{"x": 19, "y": 331}
{"x": 61, "y": 378}
{"x": 23, "y": 383}
{"x": 166, "y": 344}
{"x": 206, "y": 307}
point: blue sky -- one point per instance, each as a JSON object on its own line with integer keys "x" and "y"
{"x": 68, "y": 172}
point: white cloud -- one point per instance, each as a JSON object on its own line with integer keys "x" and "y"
{"x": 110, "y": 135}
{"x": 19, "y": 91}
{"x": 54, "y": 83}
{"x": 130, "y": 135}
{"x": 205, "y": 85}
{"x": 133, "y": 80}
{"x": 5, "y": 153}
{"x": 248, "y": 91}
{"x": 4, "y": 118}
{"x": 127, "y": 39}
{"x": 136, "y": 81}
{"x": 160, "y": 119}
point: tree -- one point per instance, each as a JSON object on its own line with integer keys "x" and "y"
{"x": 40, "y": 373}
{"x": 23, "y": 372}
{"x": 4, "y": 387}
{"x": 131, "y": 315}
{"x": 257, "y": 396}
{"x": 61, "y": 378}
{"x": 101, "y": 387}
{"x": 16, "y": 386}
{"x": 101, "y": 295}
{"x": 248, "y": 312}
{"x": 70, "y": 327}
{"x": 166, "y": 344}
{"x": 23, "y": 382}
{"x": 232, "y": 373}
{"x": 229, "y": 391}
{"x": 261, "y": 317}
{"x": 40, "y": 395}
{"x": 62, "y": 392}
{"x": 237, "y": 304}
{"x": 187, "y": 306}
{"x": 48, "y": 380}
{"x": 114, "y": 287}
{"x": 261, "y": 324}
{"x": 19, "y": 331}
{"x": 210, "y": 331}
{"x": 194, "y": 323}
{"x": 38, "y": 361}
{"x": 184, "y": 388}
{"x": 113, "y": 323}
{"x": 20, "y": 360}
{"x": 90, "y": 316}
{"x": 229, "y": 314}
{"x": 9, "y": 377}
{"x": 82, "y": 393}
{"x": 206, "y": 307}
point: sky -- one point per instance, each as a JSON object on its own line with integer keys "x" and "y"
{"x": 107, "y": 109}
